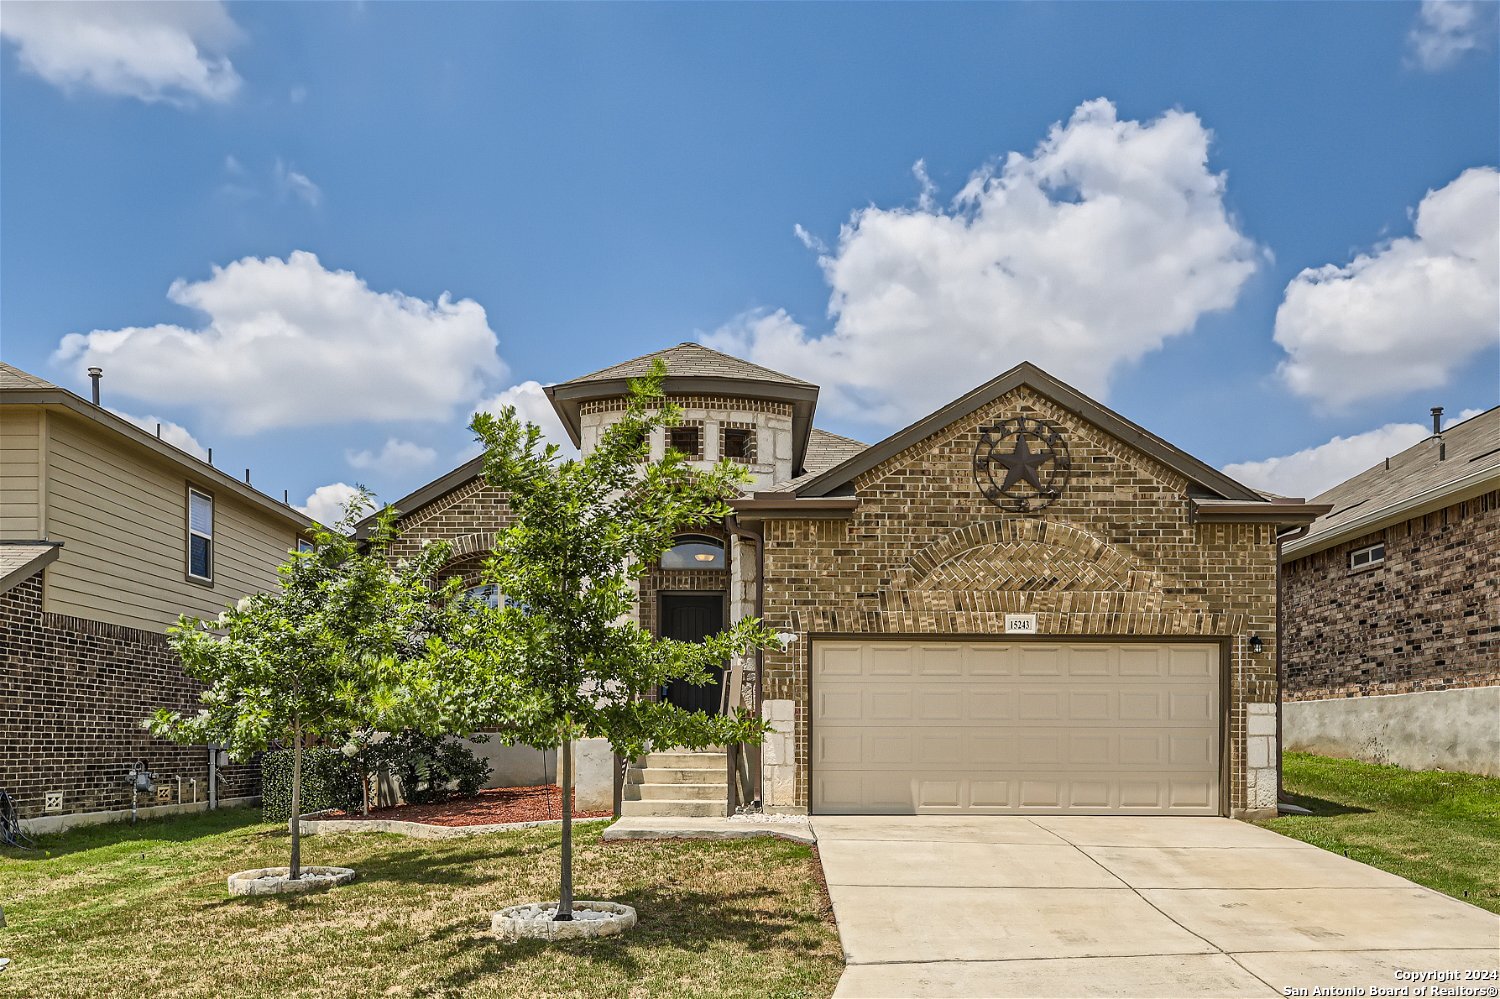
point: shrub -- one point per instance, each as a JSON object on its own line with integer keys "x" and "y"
{"x": 430, "y": 768}
{"x": 329, "y": 780}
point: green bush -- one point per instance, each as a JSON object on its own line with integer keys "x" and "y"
{"x": 430, "y": 768}
{"x": 329, "y": 780}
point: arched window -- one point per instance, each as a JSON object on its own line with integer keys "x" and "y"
{"x": 488, "y": 596}
{"x": 694, "y": 551}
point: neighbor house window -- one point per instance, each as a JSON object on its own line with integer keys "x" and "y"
{"x": 1362, "y": 558}
{"x": 738, "y": 444}
{"x": 694, "y": 551}
{"x": 687, "y": 439}
{"x": 304, "y": 545}
{"x": 200, "y": 553}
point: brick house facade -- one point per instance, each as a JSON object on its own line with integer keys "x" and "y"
{"x": 1392, "y": 609}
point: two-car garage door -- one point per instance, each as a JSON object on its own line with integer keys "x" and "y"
{"x": 1041, "y": 727}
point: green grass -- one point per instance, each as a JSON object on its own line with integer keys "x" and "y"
{"x": 122, "y": 911}
{"x": 1433, "y": 827}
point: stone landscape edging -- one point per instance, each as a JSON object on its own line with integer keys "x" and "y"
{"x": 312, "y": 825}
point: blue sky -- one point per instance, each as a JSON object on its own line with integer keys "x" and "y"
{"x": 585, "y": 183}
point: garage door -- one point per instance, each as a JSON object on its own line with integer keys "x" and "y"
{"x": 1086, "y": 728}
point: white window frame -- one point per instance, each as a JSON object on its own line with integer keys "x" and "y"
{"x": 1366, "y": 558}
{"x": 192, "y": 533}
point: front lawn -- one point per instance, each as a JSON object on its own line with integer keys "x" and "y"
{"x": 1437, "y": 828}
{"x": 122, "y": 911}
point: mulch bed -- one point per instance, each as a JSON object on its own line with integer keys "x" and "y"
{"x": 498, "y": 804}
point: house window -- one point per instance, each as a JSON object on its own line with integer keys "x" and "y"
{"x": 1364, "y": 558}
{"x": 688, "y": 440}
{"x": 304, "y": 545}
{"x": 738, "y": 444}
{"x": 694, "y": 551}
{"x": 485, "y": 596}
{"x": 200, "y": 546}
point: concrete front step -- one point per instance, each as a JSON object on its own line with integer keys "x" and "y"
{"x": 677, "y": 775}
{"x": 676, "y": 792}
{"x": 663, "y": 808}
{"x": 684, "y": 760}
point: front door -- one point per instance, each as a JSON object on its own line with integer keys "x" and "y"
{"x": 692, "y": 618}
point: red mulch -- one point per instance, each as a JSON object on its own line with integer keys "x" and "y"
{"x": 497, "y": 804}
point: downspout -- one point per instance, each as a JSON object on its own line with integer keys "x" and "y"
{"x": 213, "y": 777}
{"x": 1293, "y": 535}
{"x": 757, "y": 539}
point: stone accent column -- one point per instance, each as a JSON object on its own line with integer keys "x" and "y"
{"x": 1260, "y": 761}
{"x": 779, "y": 760}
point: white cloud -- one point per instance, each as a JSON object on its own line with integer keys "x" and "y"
{"x": 1407, "y": 314}
{"x": 1315, "y": 470}
{"x": 152, "y": 51}
{"x": 291, "y": 183}
{"x": 288, "y": 343}
{"x": 532, "y": 406}
{"x": 173, "y": 433}
{"x": 395, "y": 458}
{"x": 327, "y": 503}
{"x": 1445, "y": 31}
{"x": 1109, "y": 238}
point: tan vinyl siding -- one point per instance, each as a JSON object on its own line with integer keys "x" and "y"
{"x": 20, "y": 474}
{"x": 122, "y": 516}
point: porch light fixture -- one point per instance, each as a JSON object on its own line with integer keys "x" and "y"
{"x": 1256, "y": 645}
{"x": 786, "y": 638}
{"x": 705, "y": 557}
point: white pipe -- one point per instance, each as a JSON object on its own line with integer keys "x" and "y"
{"x": 213, "y": 777}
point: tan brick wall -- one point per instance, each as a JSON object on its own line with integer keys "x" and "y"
{"x": 468, "y": 518}
{"x": 1428, "y": 618}
{"x": 1116, "y": 555}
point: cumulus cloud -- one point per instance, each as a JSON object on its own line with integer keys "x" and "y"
{"x": 327, "y": 503}
{"x": 288, "y": 343}
{"x": 1447, "y": 30}
{"x": 532, "y": 406}
{"x": 1315, "y": 470}
{"x": 1085, "y": 255}
{"x": 1408, "y": 313}
{"x": 154, "y": 52}
{"x": 395, "y": 458}
{"x": 173, "y": 433}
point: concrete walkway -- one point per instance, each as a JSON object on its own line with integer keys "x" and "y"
{"x": 1125, "y": 906}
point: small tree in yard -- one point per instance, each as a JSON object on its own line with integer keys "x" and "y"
{"x": 309, "y": 659}
{"x": 561, "y": 659}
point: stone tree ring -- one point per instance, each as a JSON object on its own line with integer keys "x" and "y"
{"x": 1022, "y": 464}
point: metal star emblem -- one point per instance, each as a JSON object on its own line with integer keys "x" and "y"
{"x": 1021, "y": 465}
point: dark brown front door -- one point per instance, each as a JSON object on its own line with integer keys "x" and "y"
{"x": 692, "y": 619}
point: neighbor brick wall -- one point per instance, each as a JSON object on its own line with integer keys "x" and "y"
{"x": 1428, "y": 618}
{"x": 1118, "y": 554}
{"x": 73, "y": 693}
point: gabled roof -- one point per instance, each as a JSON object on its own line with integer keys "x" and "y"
{"x": 18, "y": 387}
{"x": 692, "y": 369}
{"x": 20, "y": 560}
{"x": 1461, "y": 462}
{"x": 1209, "y": 480}
{"x": 824, "y": 450}
{"x": 688, "y": 359}
{"x": 436, "y": 489}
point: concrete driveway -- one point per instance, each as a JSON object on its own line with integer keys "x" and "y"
{"x": 1125, "y": 906}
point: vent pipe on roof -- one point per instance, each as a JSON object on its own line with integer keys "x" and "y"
{"x": 94, "y": 375}
{"x": 1437, "y": 421}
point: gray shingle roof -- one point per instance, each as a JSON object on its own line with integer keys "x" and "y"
{"x": 12, "y": 377}
{"x": 20, "y": 560}
{"x": 1472, "y": 447}
{"x": 689, "y": 359}
{"x": 824, "y": 450}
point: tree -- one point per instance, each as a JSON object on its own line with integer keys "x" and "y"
{"x": 311, "y": 658}
{"x": 561, "y": 659}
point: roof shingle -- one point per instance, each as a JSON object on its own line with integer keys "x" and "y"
{"x": 692, "y": 360}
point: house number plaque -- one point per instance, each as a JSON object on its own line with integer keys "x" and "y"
{"x": 1022, "y": 464}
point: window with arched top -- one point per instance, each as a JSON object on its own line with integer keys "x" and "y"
{"x": 694, "y": 551}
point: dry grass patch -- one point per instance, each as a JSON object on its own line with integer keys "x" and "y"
{"x": 121, "y": 911}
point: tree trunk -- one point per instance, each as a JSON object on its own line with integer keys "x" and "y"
{"x": 565, "y": 897}
{"x": 296, "y": 823}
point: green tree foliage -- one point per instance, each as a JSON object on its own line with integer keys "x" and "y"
{"x": 312, "y": 658}
{"x": 562, "y": 659}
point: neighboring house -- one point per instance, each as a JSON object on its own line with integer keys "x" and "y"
{"x": 107, "y": 535}
{"x": 1392, "y": 609}
{"x": 1023, "y": 603}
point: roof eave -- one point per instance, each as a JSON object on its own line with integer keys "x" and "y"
{"x": 191, "y": 464}
{"x": 788, "y": 507}
{"x": 1281, "y": 513}
{"x": 33, "y": 565}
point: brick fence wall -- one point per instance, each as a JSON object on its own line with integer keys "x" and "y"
{"x": 73, "y": 693}
{"x": 1428, "y": 618}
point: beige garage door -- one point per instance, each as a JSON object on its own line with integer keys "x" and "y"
{"x": 934, "y": 726}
